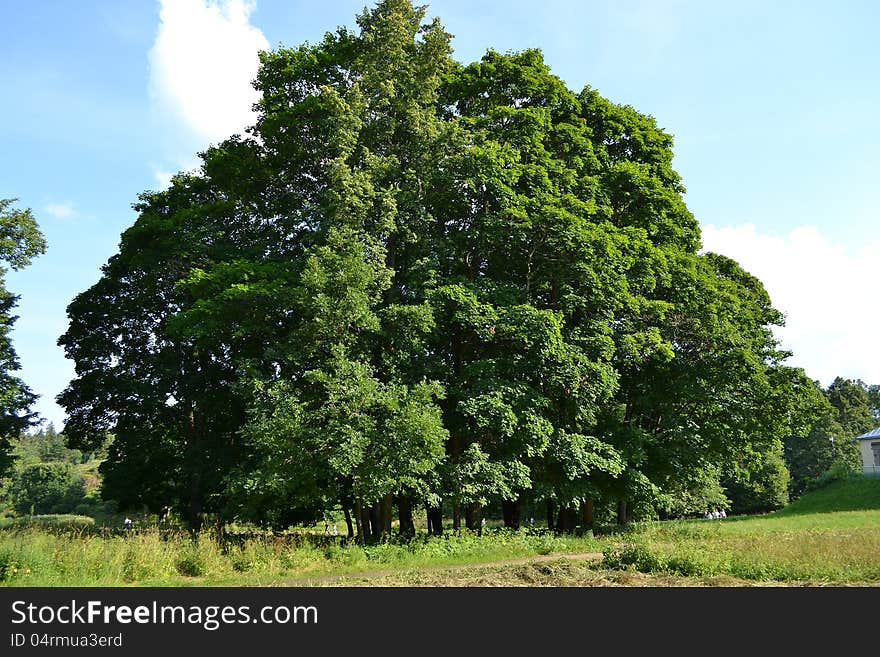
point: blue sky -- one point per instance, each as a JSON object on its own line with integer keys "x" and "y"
{"x": 773, "y": 106}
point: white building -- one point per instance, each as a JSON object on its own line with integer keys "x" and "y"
{"x": 869, "y": 446}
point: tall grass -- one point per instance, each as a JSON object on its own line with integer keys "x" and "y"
{"x": 35, "y": 556}
{"x": 819, "y": 539}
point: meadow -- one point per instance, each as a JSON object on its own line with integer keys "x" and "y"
{"x": 828, "y": 537}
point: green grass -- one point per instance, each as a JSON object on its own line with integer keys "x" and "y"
{"x": 36, "y": 557}
{"x": 830, "y": 536}
{"x": 820, "y": 538}
{"x": 854, "y": 494}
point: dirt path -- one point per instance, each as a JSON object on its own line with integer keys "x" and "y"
{"x": 375, "y": 574}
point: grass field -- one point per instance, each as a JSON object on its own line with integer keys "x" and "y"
{"x": 39, "y": 556}
{"x": 828, "y": 537}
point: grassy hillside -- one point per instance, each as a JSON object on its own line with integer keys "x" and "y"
{"x": 855, "y": 494}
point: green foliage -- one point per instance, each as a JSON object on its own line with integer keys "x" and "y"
{"x": 20, "y": 238}
{"x": 62, "y": 523}
{"x": 20, "y": 242}
{"x": 843, "y": 414}
{"x": 190, "y": 562}
{"x": 44, "y": 446}
{"x": 416, "y": 281}
{"x": 853, "y": 403}
{"x": 874, "y": 400}
{"x": 760, "y": 486}
{"x": 693, "y": 497}
{"x": 42, "y": 488}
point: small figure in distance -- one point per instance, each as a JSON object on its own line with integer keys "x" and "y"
{"x": 127, "y": 524}
{"x": 335, "y": 532}
{"x": 722, "y": 513}
{"x": 707, "y": 515}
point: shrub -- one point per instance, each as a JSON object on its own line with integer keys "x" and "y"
{"x": 190, "y": 562}
{"x": 837, "y": 472}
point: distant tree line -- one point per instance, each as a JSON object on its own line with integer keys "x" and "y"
{"x": 851, "y": 408}
{"x": 417, "y": 284}
{"x": 49, "y": 478}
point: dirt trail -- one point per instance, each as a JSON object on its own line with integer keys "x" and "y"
{"x": 374, "y": 574}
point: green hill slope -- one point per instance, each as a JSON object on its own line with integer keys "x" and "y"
{"x": 854, "y": 494}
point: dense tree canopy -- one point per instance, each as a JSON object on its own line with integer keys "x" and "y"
{"x": 417, "y": 282}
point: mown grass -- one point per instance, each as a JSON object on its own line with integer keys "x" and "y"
{"x": 561, "y": 572}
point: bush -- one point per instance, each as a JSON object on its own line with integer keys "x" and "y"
{"x": 190, "y": 563}
{"x": 759, "y": 487}
{"x": 837, "y": 472}
{"x": 61, "y": 523}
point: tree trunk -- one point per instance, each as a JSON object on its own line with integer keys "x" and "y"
{"x": 405, "y": 514}
{"x": 367, "y": 527}
{"x": 348, "y": 521}
{"x": 196, "y": 495}
{"x": 587, "y": 514}
{"x": 511, "y": 510}
{"x": 375, "y": 515}
{"x": 386, "y": 514}
{"x": 195, "y": 502}
{"x": 435, "y": 520}
{"x": 621, "y": 512}
{"x": 550, "y": 511}
{"x": 359, "y": 520}
{"x": 564, "y": 524}
{"x": 473, "y": 514}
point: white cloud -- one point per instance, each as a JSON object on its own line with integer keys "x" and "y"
{"x": 63, "y": 210}
{"x": 828, "y": 293}
{"x": 163, "y": 177}
{"x": 201, "y": 66}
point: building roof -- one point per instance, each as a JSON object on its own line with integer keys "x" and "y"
{"x": 874, "y": 433}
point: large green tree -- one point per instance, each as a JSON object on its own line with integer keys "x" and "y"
{"x": 421, "y": 282}
{"x": 20, "y": 242}
{"x": 166, "y": 395}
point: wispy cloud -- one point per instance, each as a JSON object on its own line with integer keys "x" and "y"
{"x": 163, "y": 177}
{"x": 828, "y": 293}
{"x": 63, "y": 210}
{"x": 202, "y": 63}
